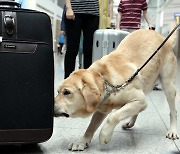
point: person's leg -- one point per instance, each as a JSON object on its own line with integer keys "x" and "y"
{"x": 73, "y": 31}
{"x": 60, "y": 48}
{"x": 80, "y": 51}
{"x": 90, "y": 25}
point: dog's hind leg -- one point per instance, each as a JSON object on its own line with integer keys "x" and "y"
{"x": 170, "y": 95}
{"x": 131, "y": 109}
{"x": 131, "y": 122}
{"x": 168, "y": 77}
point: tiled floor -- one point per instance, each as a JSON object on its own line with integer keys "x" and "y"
{"x": 146, "y": 137}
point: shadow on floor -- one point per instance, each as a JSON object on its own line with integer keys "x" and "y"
{"x": 26, "y": 148}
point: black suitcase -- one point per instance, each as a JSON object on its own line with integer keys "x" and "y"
{"x": 26, "y": 75}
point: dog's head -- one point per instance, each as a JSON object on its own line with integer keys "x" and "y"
{"x": 79, "y": 94}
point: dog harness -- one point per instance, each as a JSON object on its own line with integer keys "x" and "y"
{"x": 109, "y": 88}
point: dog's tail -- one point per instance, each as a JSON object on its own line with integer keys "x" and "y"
{"x": 173, "y": 38}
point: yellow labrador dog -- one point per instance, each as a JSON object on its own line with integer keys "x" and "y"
{"x": 104, "y": 87}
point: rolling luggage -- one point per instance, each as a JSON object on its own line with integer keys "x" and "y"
{"x": 105, "y": 41}
{"x": 26, "y": 75}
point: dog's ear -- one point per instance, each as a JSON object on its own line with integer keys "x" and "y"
{"x": 91, "y": 96}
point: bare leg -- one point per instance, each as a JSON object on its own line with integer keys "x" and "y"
{"x": 83, "y": 142}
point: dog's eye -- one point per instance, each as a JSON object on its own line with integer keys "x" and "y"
{"x": 66, "y": 92}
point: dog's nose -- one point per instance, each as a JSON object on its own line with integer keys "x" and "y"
{"x": 65, "y": 115}
{"x": 61, "y": 115}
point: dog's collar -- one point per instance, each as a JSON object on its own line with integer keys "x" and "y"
{"x": 109, "y": 88}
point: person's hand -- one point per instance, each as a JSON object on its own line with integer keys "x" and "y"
{"x": 70, "y": 14}
{"x": 112, "y": 24}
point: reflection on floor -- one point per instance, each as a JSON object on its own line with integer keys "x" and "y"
{"x": 146, "y": 137}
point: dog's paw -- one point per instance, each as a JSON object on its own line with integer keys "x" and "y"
{"x": 173, "y": 135}
{"x": 79, "y": 145}
{"x": 104, "y": 138}
{"x": 105, "y": 135}
{"x": 127, "y": 125}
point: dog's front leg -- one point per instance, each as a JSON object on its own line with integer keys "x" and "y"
{"x": 84, "y": 141}
{"x": 129, "y": 110}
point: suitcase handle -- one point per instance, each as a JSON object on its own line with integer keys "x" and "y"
{"x": 10, "y": 3}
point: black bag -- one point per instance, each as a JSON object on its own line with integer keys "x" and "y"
{"x": 26, "y": 75}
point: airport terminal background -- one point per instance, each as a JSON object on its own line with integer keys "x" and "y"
{"x": 161, "y": 12}
{"x": 148, "y": 134}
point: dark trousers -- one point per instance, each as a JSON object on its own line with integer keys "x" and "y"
{"x": 87, "y": 24}
{"x": 60, "y": 48}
